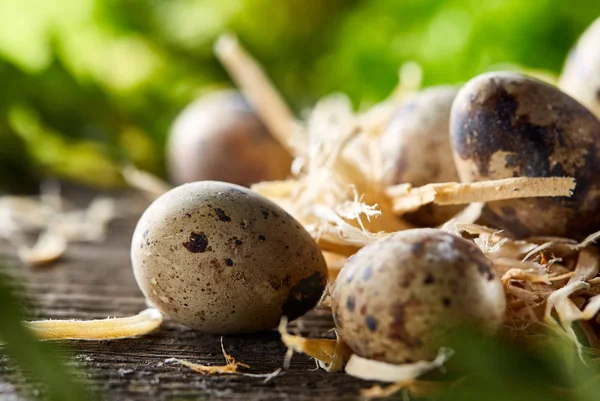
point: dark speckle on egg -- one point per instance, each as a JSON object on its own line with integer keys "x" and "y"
{"x": 486, "y": 270}
{"x": 398, "y": 331}
{"x": 417, "y": 249}
{"x": 368, "y": 273}
{"x": 350, "y": 303}
{"x": 198, "y": 242}
{"x": 221, "y": 215}
{"x": 371, "y": 323}
{"x": 507, "y": 125}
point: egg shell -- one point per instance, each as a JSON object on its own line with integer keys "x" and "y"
{"x": 222, "y": 259}
{"x": 415, "y": 148}
{"x": 580, "y": 77}
{"x": 394, "y": 297}
{"x": 220, "y": 137}
{"x": 508, "y": 125}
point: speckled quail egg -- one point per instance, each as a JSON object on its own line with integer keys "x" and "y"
{"x": 415, "y": 148}
{"x": 220, "y": 137}
{"x": 508, "y": 125}
{"x": 580, "y": 77}
{"x": 222, "y": 259}
{"x": 394, "y": 297}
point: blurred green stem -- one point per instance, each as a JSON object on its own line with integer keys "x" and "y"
{"x": 42, "y": 362}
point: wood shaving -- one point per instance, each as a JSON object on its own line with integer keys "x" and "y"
{"x": 588, "y": 265}
{"x": 368, "y": 369}
{"x": 23, "y": 214}
{"x": 266, "y": 376}
{"x": 406, "y": 198}
{"x": 48, "y": 248}
{"x": 86, "y": 225}
{"x": 549, "y": 281}
{"x": 519, "y": 274}
{"x": 148, "y": 184}
{"x": 55, "y": 224}
{"x": 102, "y": 329}
{"x": 330, "y": 354}
{"x": 263, "y": 95}
{"x": 231, "y": 366}
{"x": 419, "y": 388}
{"x": 468, "y": 215}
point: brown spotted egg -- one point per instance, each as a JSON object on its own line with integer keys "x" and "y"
{"x": 580, "y": 77}
{"x": 220, "y": 137}
{"x": 394, "y": 297}
{"x": 415, "y": 148}
{"x": 507, "y": 125}
{"x": 222, "y": 259}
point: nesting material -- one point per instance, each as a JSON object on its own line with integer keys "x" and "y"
{"x": 48, "y": 248}
{"x": 331, "y": 355}
{"x": 417, "y": 387}
{"x": 469, "y": 215}
{"x": 23, "y": 214}
{"x": 231, "y": 366}
{"x": 248, "y": 74}
{"x": 148, "y": 184}
{"x": 369, "y": 369}
{"x": 587, "y": 267}
{"x": 549, "y": 282}
{"x": 55, "y": 223}
{"x": 102, "y": 329}
{"x": 407, "y": 199}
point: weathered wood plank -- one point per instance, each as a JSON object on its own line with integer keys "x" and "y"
{"x": 95, "y": 281}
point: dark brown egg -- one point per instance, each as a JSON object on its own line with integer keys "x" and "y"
{"x": 415, "y": 149}
{"x": 219, "y": 137}
{"x": 393, "y": 298}
{"x": 507, "y": 125}
{"x": 581, "y": 74}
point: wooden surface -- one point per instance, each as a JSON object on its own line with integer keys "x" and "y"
{"x": 96, "y": 281}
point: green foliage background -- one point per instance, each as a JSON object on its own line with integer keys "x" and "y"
{"x": 89, "y": 84}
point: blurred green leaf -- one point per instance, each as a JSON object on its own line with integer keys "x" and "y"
{"x": 41, "y": 361}
{"x": 98, "y": 72}
{"x": 493, "y": 368}
{"x": 17, "y": 174}
{"x": 80, "y": 161}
